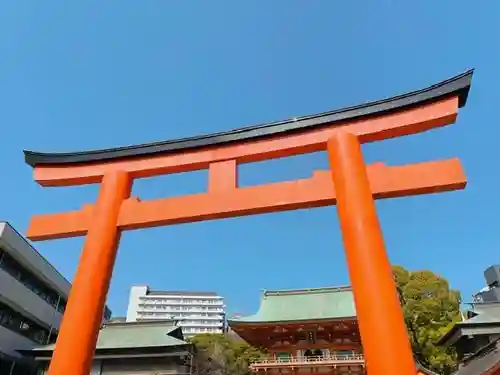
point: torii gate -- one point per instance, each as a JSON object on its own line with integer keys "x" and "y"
{"x": 350, "y": 184}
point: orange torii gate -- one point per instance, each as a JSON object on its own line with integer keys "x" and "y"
{"x": 350, "y": 184}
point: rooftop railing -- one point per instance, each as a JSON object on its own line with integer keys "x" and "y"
{"x": 321, "y": 360}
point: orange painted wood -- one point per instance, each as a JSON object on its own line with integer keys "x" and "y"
{"x": 305, "y": 324}
{"x": 317, "y": 191}
{"x": 82, "y": 319}
{"x": 222, "y": 176}
{"x": 353, "y": 187}
{"x": 495, "y": 370}
{"x": 331, "y": 346}
{"x": 377, "y": 304}
{"x": 393, "y": 125}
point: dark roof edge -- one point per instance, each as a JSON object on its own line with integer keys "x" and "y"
{"x": 442, "y": 340}
{"x": 145, "y": 323}
{"x": 104, "y": 351}
{"x": 455, "y": 86}
{"x": 424, "y": 369}
{"x": 181, "y": 293}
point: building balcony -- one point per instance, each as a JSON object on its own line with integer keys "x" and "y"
{"x": 200, "y": 324}
{"x": 168, "y": 309}
{"x": 199, "y": 317}
{"x": 333, "y": 361}
{"x": 179, "y": 302}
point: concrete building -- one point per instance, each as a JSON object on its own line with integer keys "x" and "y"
{"x": 117, "y": 319}
{"x": 33, "y": 297}
{"x": 196, "y": 312}
{"x": 477, "y": 338}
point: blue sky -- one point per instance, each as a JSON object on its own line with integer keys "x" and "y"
{"x": 91, "y": 74}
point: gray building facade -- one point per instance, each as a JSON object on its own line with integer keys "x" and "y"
{"x": 33, "y": 297}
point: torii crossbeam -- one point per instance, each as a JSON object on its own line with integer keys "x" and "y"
{"x": 349, "y": 184}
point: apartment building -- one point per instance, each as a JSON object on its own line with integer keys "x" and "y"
{"x": 33, "y": 297}
{"x": 195, "y": 312}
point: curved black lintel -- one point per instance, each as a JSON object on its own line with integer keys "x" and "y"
{"x": 455, "y": 86}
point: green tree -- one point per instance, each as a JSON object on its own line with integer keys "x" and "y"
{"x": 430, "y": 308}
{"x": 223, "y": 355}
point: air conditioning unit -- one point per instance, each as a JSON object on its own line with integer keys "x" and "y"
{"x": 492, "y": 295}
{"x": 492, "y": 276}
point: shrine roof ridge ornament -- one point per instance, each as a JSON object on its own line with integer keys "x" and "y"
{"x": 457, "y": 86}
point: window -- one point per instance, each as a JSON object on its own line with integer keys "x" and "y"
{"x": 283, "y": 356}
{"x": 5, "y": 366}
{"x": 10, "y": 366}
{"x": 16, "y": 322}
{"x": 37, "y": 286}
{"x": 28, "y": 279}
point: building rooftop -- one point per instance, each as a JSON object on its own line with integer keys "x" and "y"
{"x": 421, "y": 370}
{"x": 302, "y": 305}
{"x": 132, "y": 336}
{"x": 117, "y": 320}
{"x": 485, "y": 361}
{"x": 181, "y": 293}
{"x": 482, "y": 320}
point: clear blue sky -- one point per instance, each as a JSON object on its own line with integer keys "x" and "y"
{"x": 91, "y": 74}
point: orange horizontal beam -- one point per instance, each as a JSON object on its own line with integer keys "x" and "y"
{"x": 398, "y": 124}
{"x": 317, "y": 191}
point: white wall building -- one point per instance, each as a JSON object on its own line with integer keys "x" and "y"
{"x": 196, "y": 312}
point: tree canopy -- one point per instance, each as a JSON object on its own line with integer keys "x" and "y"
{"x": 223, "y": 354}
{"x": 430, "y": 309}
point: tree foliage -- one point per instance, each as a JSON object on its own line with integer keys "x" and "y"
{"x": 430, "y": 308}
{"x": 223, "y": 355}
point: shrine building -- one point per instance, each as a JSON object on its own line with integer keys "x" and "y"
{"x": 305, "y": 332}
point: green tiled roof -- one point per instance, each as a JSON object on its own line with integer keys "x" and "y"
{"x": 303, "y": 304}
{"x": 134, "y": 335}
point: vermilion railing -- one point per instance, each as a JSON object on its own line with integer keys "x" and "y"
{"x": 347, "y": 359}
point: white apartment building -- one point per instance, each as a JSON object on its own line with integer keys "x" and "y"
{"x": 196, "y": 312}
